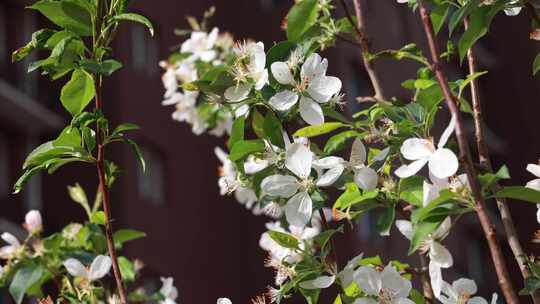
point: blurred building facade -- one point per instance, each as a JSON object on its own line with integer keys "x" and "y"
{"x": 207, "y": 242}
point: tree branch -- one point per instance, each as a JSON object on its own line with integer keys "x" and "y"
{"x": 106, "y": 201}
{"x": 465, "y": 155}
{"x": 364, "y": 46}
{"x": 332, "y": 243}
{"x": 485, "y": 161}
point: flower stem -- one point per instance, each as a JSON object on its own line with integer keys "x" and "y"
{"x": 359, "y": 28}
{"x": 465, "y": 156}
{"x": 485, "y": 161}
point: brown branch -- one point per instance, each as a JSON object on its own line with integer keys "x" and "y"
{"x": 332, "y": 243}
{"x": 465, "y": 156}
{"x": 106, "y": 200}
{"x": 361, "y": 37}
{"x": 485, "y": 161}
{"x": 424, "y": 277}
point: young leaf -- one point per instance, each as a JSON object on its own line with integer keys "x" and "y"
{"x": 78, "y": 92}
{"x": 136, "y": 18}
{"x": 243, "y": 148}
{"x": 421, "y": 232}
{"x": 257, "y": 123}
{"x": 284, "y": 239}
{"x": 39, "y": 38}
{"x": 23, "y": 280}
{"x": 300, "y": 18}
{"x": 127, "y": 269}
{"x": 125, "y": 235}
{"x": 385, "y": 221}
{"x": 311, "y": 131}
{"x": 438, "y": 16}
{"x": 99, "y": 218}
{"x": 237, "y": 131}
{"x": 520, "y": 193}
{"x": 273, "y": 130}
{"x": 411, "y": 190}
{"x": 279, "y": 52}
{"x": 68, "y": 14}
{"x": 137, "y": 151}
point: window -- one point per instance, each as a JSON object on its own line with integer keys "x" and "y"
{"x": 151, "y": 183}
{"x": 144, "y": 51}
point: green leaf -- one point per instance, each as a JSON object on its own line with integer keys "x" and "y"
{"x": 39, "y": 38}
{"x": 322, "y": 238}
{"x": 279, "y": 52}
{"x": 68, "y": 14}
{"x": 438, "y": 16}
{"x": 311, "y": 131}
{"x": 257, "y": 123}
{"x": 536, "y": 64}
{"x": 23, "y": 280}
{"x": 105, "y": 68}
{"x": 480, "y": 20}
{"x": 127, "y": 269}
{"x": 78, "y": 92}
{"x": 338, "y": 142}
{"x": 411, "y": 190}
{"x": 519, "y": 193}
{"x": 137, "y": 152}
{"x": 136, "y": 18}
{"x": 531, "y": 285}
{"x": 421, "y": 232}
{"x": 125, "y": 235}
{"x": 430, "y": 97}
{"x": 125, "y": 127}
{"x": 371, "y": 261}
{"x": 458, "y": 15}
{"x": 284, "y": 239}
{"x": 237, "y": 131}
{"x": 300, "y": 18}
{"x": 243, "y": 148}
{"x": 99, "y": 218}
{"x": 469, "y": 79}
{"x": 422, "y": 213}
{"x": 70, "y": 137}
{"x": 353, "y": 196}
{"x": 273, "y": 130}
{"x": 385, "y": 221}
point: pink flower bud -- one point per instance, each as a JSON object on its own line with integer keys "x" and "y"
{"x": 33, "y": 221}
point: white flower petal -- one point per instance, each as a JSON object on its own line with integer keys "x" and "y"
{"x": 328, "y": 162}
{"x": 393, "y": 280}
{"x": 382, "y": 155}
{"x": 429, "y": 193}
{"x": 366, "y": 178}
{"x": 439, "y": 255}
{"x": 406, "y": 228}
{"x": 322, "y": 88}
{"x": 435, "y": 275}
{"x": 410, "y": 169}
{"x": 365, "y": 301}
{"x": 416, "y": 148}
{"x": 100, "y": 267}
{"x": 534, "y": 169}
{"x": 477, "y": 300}
{"x": 299, "y": 209}
{"x": 358, "y": 152}
{"x": 313, "y": 67}
{"x": 443, "y": 163}
{"x": 75, "y": 268}
{"x": 261, "y": 79}
{"x": 280, "y": 185}
{"x": 513, "y": 11}
{"x": 369, "y": 280}
{"x": 534, "y": 184}
{"x": 318, "y": 283}
{"x": 238, "y": 92}
{"x": 464, "y": 286}
{"x": 281, "y": 72}
{"x": 283, "y": 100}
{"x": 223, "y": 301}
{"x": 298, "y": 159}
{"x": 10, "y": 239}
{"x": 447, "y": 132}
{"x": 444, "y": 228}
{"x": 254, "y": 165}
{"x": 330, "y": 176}
{"x": 311, "y": 112}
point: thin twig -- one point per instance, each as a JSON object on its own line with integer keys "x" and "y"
{"x": 465, "y": 155}
{"x": 485, "y": 161}
{"x": 332, "y": 243}
{"x": 361, "y": 37}
{"x": 424, "y": 277}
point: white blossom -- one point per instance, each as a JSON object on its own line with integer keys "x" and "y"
{"x": 313, "y": 89}
{"x": 461, "y": 292}
{"x": 365, "y": 177}
{"x": 201, "y": 45}
{"x": 439, "y": 256}
{"x": 249, "y": 71}
{"x": 432, "y": 191}
{"x": 223, "y": 301}
{"x": 346, "y": 276}
{"x": 168, "y": 290}
{"x": 387, "y": 286}
{"x": 13, "y": 245}
{"x": 442, "y": 162}
{"x": 318, "y": 283}
{"x": 513, "y": 10}
{"x": 535, "y": 184}
{"x": 295, "y": 187}
{"x": 97, "y": 270}
{"x": 32, "y": 221}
